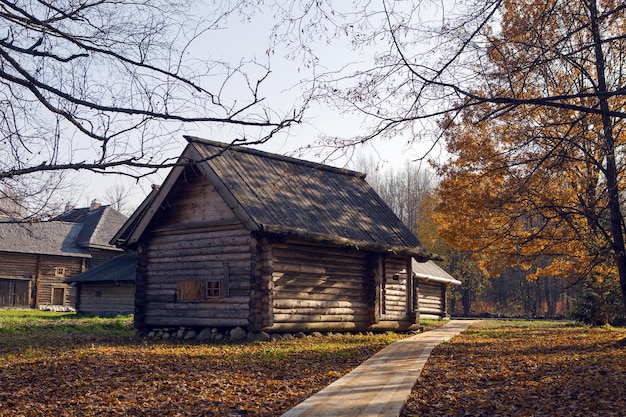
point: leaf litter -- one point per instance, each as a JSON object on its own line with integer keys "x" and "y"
{"x": 522, "y": 368}
{"x": 111, "y": 376}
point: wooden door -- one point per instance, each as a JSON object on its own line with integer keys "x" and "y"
{"x": 14, "y": 293}
{"x": 58, "y": 296}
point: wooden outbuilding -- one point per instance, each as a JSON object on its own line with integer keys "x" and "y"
{"x": 37, "y": 258}
{"x": 240, "y": 237}
{"x": 109, "y": 288}
{"x": 432, "y": 286}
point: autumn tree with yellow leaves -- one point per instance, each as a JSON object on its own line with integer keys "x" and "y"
{"x": 536, "y": 176}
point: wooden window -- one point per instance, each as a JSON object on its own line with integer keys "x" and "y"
{"x": 213, "y": 289}
{"x": 59, "y": 271}
{"x": 199, "y": 290}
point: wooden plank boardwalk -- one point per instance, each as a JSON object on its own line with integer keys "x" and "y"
{"x": 380, "y": 386}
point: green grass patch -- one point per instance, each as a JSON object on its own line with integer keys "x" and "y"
{"x": 431, "y": 324}
{"x": 35, "y": 331}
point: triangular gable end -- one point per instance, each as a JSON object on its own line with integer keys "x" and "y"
{"x": 189, "y": 155}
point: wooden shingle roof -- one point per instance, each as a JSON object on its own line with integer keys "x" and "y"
{"x": 70, "y": 234}
{"x": 119, "y": 269}
{"x": 98, "y": 225}
{"x": 278, "y": 195}
{"x": 46, "y": 238}
{"x": 432, "y": 272}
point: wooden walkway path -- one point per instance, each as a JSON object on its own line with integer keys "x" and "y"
{"x": 381, "y": 385}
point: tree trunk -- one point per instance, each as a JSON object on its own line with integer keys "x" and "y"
{"x": 616, "y": 218}
{"x": 466, "y": 299}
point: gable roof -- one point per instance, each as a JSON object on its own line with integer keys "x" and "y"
{"x": 432, "y": 272}
{"x": 99, "y": 225}
{"x": 121, "y": 268}
{"x": 46, "y": 238}
{"x": 277, "y": 195}
{"x": 70, "y": 234}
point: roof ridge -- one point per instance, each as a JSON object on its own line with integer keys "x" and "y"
{"x": 269, "y": 155}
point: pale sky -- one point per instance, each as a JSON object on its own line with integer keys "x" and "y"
{"x": 281, "y": 89}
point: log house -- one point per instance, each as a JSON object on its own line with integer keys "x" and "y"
{"x": 108, "y": 289}
{"x": 240, "y": 237}
{"x": 37, "y": 258}
{"x": 432, "y": 285}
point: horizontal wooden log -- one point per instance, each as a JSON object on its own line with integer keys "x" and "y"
{"x": 159, "y": 291}
{"x": 167, "y": 321}
{"x": 231, "y": 303}
{"x": 389, "y": 293}
{"x": 331, "y": 266}
{"x": 211, "y": 250}
{"x": 394, "y": 315}
{"x": 306, "y": 279}
{"x": 309, "y": 285}
{"x": 395, "y": 303}
{"x": 431, "y": 307}
{"x": 328, "y": 258}
{"x": 223, "y": 223}
{"x": 430, "y": 310}
{"x": 431, "y": 301}
{"x": 198, "y": 267}
{"x": 315, "y": 293}
{"x": 223, "y": 257}
{"x": 431, "y": 297}
{"x": 296, "y": 303}
{"x": 236, "y": 274}
{"x": 198, "y": 236}
{"x": 299, "y": 268}
{"x": 431, "y": 291}
{"x": 431, "y": 316}
{"x": 310, "y": 318}
{"x": 318, "y": 327}
{"x": 202, "y": 314}
{"x": 315, "y": 251}
{"x": 332, "y": 311}
{"x": 403, "y": 325}
{"x": 224, "y": 243}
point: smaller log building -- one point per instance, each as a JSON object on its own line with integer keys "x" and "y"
{"x": 109, "y": 288}
{"x": 432, "y": 285}
{"x": 241, "y": 237}
{"x": 37, "y": 258}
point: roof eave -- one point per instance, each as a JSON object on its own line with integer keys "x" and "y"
{"x": 416, "y": 252}
{"x": 443, "y": 280}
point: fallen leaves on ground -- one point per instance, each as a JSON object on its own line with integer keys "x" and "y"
{"x": 120, "y": 376}
{"x": 524, "y": 369}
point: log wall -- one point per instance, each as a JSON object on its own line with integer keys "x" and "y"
{"x": 194, "y": 201}
{"x": 222, "y": 254}
{"x": 192, "y": 242}
{"x": 40, "y": 271}
{"x": 106, "y": 298}
{"x": 18, "y": 265}
{"x": 47, "y": 281}
{"x": 320, "y": 288}
{"x": 100, "y": 256}
{"x": 431, "y": 299}
{"x": 262, "y": 294}
{"x": 395, "y": 297}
